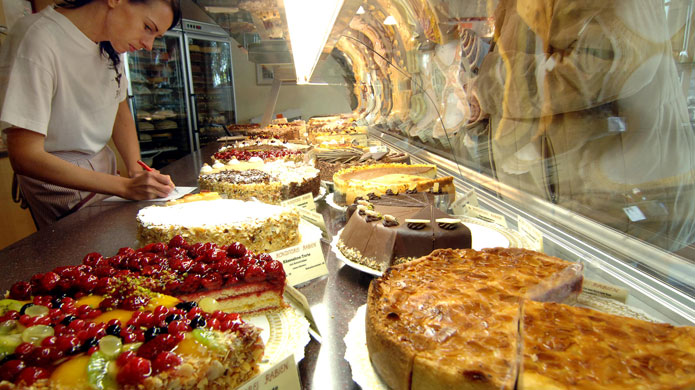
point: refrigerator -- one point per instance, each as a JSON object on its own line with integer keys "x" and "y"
{"x": 181, "y": 93}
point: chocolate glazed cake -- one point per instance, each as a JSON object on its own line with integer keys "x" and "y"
{"x": 393, "y": 228}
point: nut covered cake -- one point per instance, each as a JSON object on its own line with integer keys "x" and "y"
{"x": 259, "y": 226}
{"x": 123, "y": 322}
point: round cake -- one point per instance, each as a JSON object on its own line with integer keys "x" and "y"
{"x": 259, "y": 226}
{"x": 358, "y": 181}
{"x": 391, "y": 229}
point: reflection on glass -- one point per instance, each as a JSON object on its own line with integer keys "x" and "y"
{"x": 159, "y": 101}
{"x": 211, "y": 70}
{"x": 582, "y": 104}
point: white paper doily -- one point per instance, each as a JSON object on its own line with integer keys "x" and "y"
{"x": 329, "y": 200}
{"x": 284, "y": 332}
{"x": 483, "y": 235}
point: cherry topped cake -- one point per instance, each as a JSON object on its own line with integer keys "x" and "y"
{"x": 141, "y": 319}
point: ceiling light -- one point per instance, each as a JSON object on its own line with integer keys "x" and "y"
{"x": 309, "y": 23}
{"x": 390, "y": 21}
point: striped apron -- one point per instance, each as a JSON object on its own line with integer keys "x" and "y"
{"x": 49, "y": 203}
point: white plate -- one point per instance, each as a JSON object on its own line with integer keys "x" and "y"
{"x": 329, "y": 200}
{"x": 484, "y": 235}
{"x": 322, "y": 193}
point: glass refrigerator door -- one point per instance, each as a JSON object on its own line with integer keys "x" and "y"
{"x": 158, "y": 98}
{"x": 213, "y": 86}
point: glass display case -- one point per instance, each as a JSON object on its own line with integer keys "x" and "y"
{"x": 575, "y": 117}
{"x": 159, "y": 100}
{"x": 212, "y": 84}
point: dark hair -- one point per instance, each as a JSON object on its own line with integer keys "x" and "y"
{"x": 105, "y": 46}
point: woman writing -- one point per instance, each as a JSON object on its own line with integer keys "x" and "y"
{"x": 63, "y": 96}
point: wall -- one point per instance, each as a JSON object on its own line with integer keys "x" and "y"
{"x": 311, "y": 100}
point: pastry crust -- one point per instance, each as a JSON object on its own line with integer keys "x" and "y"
{"x": 449, "y": 320}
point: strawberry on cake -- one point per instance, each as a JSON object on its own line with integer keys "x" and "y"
{"x": 125, "y": 322}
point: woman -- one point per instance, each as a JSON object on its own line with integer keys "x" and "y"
{"x": 63, "y": 96}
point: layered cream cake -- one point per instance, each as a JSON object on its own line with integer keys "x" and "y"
{"x": 270, "y": 182}
{"x": 359, "y": 181}
{"x": 259, "y": 226}
{"x": 331, "y": 160}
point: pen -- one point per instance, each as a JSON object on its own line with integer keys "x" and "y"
{"x": 144, "y": 166}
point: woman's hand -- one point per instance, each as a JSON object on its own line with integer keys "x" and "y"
{"x": 148, "y": 185}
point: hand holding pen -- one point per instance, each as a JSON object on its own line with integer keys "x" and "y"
{"x": 149, "y": 184}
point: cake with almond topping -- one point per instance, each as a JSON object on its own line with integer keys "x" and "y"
{"x": 259, "y": 226}
{"x": 494, "y": 319}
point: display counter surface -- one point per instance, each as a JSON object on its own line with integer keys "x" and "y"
{"x": 108, "y": 226}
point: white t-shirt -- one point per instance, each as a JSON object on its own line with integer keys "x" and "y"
{"x": 55, "y": 81}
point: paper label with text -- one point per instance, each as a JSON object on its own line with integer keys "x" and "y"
{"x": 302, "y": 262}
{"x": 484, "y": 215}
{"x": 532, "y": 235}
{"x": 315, "y": 219}
{"x": 604, "y": 290}
{"x": 302, "y": 201}
{"x": 282, "y": 376}
{"x": 469, "y": 197}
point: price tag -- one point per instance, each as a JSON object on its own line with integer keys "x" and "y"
{"x": 315, "y": 219}
{"x": 282, "y": 376}
{"x": 487, "y": 216}
{"x": 302, "y": 201}
{"x": 378, "y": 149}
{"x": 302, "y": 262}
{"x": 470, "y": 197}
{"x": 533, "y": 235}
{"x": 604, "y": 290}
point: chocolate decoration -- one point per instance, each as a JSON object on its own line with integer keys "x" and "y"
{"x": 390, "y": 192}
{"x": 361, "y": 212}
{"x": 373, "y": 196}
{"x": 448, "y": 226}
{"x": 416, "y": 225}
{"x": 388, "y": 223}
{"x": 372, "y": 218}
{"x": 413, "y": 191}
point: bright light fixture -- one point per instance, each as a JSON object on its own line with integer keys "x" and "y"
{"x": 360, "y": 11}
{"x": 309, "y": 23}
{"x": 390, "y": 21}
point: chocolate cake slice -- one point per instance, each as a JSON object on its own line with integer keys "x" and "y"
{"x": 396, "y": 228}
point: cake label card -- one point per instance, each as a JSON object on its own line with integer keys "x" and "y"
{"x": 604, "y": 290}
{"x": 484, "y": 215}
{"x": 302, "y": 262}
{"x": 531, "y": 234}
{"x": 470, "y": 197}
{"x": 305, "y": 201}
{"x": 282, "y": 376}
{"x": 315, "y": 219}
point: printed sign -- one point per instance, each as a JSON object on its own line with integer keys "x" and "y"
{"x": 484, "y": 215}
{"x": 302, "y": 262}
{"x": 315, "y": 219}
{"x": 604, "y": 290}
{"x": 302, "y": 201}
{"x": 532, "y": 235}
{"x": 282, "y": 376}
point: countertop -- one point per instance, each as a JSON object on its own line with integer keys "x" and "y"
{"x": 107, "y": 226}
